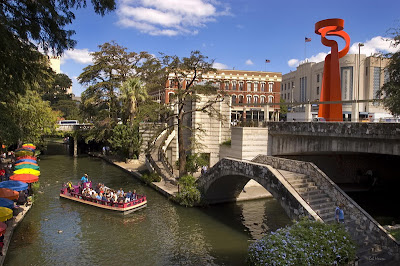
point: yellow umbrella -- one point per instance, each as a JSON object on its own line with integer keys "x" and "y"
{"x": 5, "y": 214}
{"x": 27, "y": 171}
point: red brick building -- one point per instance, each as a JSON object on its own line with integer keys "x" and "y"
{"x": 249, "y": 90}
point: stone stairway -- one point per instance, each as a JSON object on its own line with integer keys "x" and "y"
{"x": 368, "y": 253}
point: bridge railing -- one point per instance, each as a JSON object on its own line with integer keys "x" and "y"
{"x": 356, "y": 213}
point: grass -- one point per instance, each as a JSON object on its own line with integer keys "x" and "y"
{"x": 395, "y": 233}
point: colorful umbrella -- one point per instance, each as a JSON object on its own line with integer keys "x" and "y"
{"x": 24, "y": 153}
{"x": 29, "y": 145}
{"x": 5, "y": 214}
{"x": 6, "y": 203}
{"x": 8, "y": 194}
{"x": 27, "y": 178}
{"x": 3, "y": 228}
{"x": 25, "y": 165}
{"x": 14, "y": 185}
{"x": 27, "y": 171}
{"x": 27, "y": 157}
{"x": 26, "y": 160}
{"x": 17, "y": 164}
{"x": 24, "y": 149}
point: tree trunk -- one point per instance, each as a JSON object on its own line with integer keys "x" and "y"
{"x": 182, "y": 152}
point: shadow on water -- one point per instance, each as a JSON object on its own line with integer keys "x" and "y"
{"x": 57, "y": 231}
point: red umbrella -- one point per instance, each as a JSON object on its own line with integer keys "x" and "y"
{"x": 3, "y": 227}
{"x": 27, "y": 157}
{"x": 8, "y": 194}
{"x": 27, "y": 178}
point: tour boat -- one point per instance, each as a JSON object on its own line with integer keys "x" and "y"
{"x": 73, "y": 193}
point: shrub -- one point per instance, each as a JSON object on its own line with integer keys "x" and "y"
{"x": 227, "y": 142}
{"x": 151, "y": 177}
{"x": 304, "y": 243}
{"x": 188, "y": 194}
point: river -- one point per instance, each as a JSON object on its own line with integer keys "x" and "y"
{"x": 61, "y": 232}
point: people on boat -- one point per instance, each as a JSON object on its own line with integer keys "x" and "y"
{"x": 85, "y": 178}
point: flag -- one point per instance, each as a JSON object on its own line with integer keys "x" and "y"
{"x": 267, "y": 61}
{"x": 307, "y": 39}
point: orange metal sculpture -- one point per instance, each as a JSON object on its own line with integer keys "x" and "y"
{"x": 331, "y": 90}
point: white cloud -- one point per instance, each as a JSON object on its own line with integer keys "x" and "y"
{"x": 249, "y": 62}
{"x": 81, "y": 56}
{"x": 219, "y": 66}
{"x": 293, "y": 62}
{"x": 169, "y": 17}
{"x": 375, "y": 45}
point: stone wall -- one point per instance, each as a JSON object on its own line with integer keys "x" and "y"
{"x": 376, "y": 233}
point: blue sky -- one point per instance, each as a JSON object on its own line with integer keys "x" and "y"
{"x": 238, "y": 34}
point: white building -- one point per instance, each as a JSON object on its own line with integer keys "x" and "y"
{"x": 361, "y": 78}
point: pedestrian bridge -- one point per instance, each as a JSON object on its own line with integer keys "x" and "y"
{"x": 302, "y": 190}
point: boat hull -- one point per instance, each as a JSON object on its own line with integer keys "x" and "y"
{"x": 122, "y": 210}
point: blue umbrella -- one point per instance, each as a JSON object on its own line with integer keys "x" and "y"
{"x": 6, "y": 203}
{"x": 26, "y": 160}
{"x": 14, "y": 185}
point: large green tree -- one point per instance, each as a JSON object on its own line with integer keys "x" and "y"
{"x": 132, "y": 92}
{"x": 391, "y": 89}
{"x": 187, "y": 78}
{"x": 26, "y": 26}
{"x": 26, "y": 118}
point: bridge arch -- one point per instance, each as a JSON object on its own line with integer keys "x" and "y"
{"x": 225, "y": 181}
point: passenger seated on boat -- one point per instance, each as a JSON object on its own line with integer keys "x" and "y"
{"x": 85, "y": 179}
{"x": 104, "y": 198}
{"x": 129, "y": 195}
{"x": 99, "y": 196}
{"x": 134, "y": 195}
{"x": 121, "y": 198}
{"x": 120, "y": 191}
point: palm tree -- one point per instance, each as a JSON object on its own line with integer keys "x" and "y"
{"x": 132, "y": 92}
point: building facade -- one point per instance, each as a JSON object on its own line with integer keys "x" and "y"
{"x": 361, "y": 78}
{"x": 248, "y": 90}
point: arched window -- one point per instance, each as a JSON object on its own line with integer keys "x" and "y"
{"x": 255, "y": 86}
{"x": 241, "y": 98}
{"x": 248, "y": 99}
{"x": 255, "y": 99}
{"x": 234, "y": 99}
{"x": 270, "y": 99}
{"x": 270, "y": 86}
{"x": 248, "y": 84}
{"x": 262, "y": 99}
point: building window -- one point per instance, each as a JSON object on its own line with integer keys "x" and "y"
{"x": 376, "y": 81}
{"x": 288, "y": 95}
{"x": 234, "y": 85}
{"x": 171, "y": 83}
{"x": 270, "y": 86}
{"x": 255, "y": 86}
{"x": 303, "y": 89}
{"x": 241, "y": 85}
{"x": 248, "y": 84}
{"x": 263, "y": 86}
{"x": 262, "y": 99}
{"x": 270, "y": 99}
{"x": 285, "y": 86}
{"x": 226, "y": 85}
{"x": 317, "y": 90}
{"x": 386, "y": 76}
{"x": 233, "y": 99}
{"x": 240, "y": 98}
{"x": 317, "y": 77}
{"x": 347, "y": 83}
{"x": 248, "y": 98}
{"x": 255, "y": 99}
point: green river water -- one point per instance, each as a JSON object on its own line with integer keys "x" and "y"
{"x": 61, "y": 232}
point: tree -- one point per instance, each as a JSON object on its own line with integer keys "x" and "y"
{"x": 185, "y": 73}
{"x": 69, "y": 109}
{"x": 26, "y": 118}
{"x": 391, "y": 89}
{"x": 132, "y": 93}
{"x": 125, "y": 140}
{"x": 56, "y": 89}
{"x": 26, "y": 25}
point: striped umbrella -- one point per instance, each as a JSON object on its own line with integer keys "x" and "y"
{"x": 27, "y": 157}
{"x": 21, "y": 163}
{"x": 29, "y": 145}
{"x": 8, "y": 194}
{"x": 5, "y": 214}
{"x": 27, "y": 178}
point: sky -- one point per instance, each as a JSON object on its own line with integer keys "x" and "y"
{"x": 236, "y": 34}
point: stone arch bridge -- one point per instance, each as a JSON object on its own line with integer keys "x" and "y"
{"x": 302, "y": 190}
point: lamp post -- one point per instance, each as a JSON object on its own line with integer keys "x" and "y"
{"x": 358, "y": 85}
